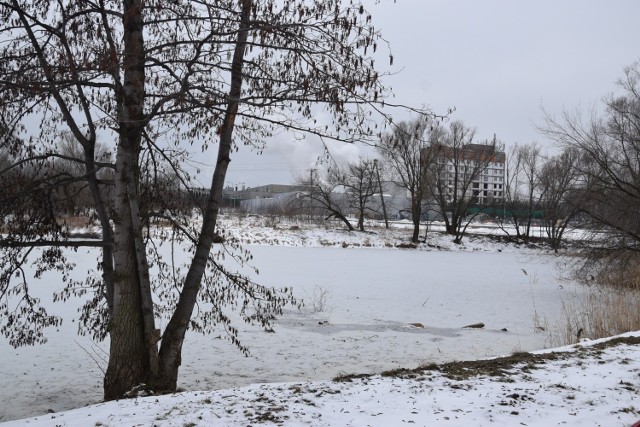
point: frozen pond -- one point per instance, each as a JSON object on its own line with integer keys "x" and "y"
{"x": 372, "y": 300}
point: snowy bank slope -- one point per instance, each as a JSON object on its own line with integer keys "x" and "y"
{"x": 592, "y": 384}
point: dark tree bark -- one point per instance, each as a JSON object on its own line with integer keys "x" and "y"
{"x": 133, "y": 349}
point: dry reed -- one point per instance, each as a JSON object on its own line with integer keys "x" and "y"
{"x": 603, "y": 311}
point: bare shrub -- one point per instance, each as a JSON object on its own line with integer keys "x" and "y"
{"x": 317, "y": 302}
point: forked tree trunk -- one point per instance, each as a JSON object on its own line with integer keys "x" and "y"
{"x": 173, "y": 337}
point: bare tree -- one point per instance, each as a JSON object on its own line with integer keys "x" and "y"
{"x": 522, "y": 188}
{"x": 559, "y": 186}
{"x": 146, "y": 77}
{"x": 609, "y": 149}
{"x": 322, "y": 195}
{"x": 383, "y": 203}
{"x": 408, "y": 161}
{"x": 360, "y": 186}
{"x": 457, "y": 176}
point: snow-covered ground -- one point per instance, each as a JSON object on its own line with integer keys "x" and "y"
{"x": 583, "y": 385}
{"x": 370, "y": 307}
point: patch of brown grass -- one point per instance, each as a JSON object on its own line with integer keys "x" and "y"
{"x": 500, "y": 368}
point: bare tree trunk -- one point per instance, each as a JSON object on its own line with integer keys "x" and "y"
{"x": 338, "y": 214}
{"x": 416, "y": 211}
{"x": 105, "y": 226}
{"x": 173, "y": 337}
{"x": 128, "y": 364}
{"x": 384, "y": 208}
{"x": 133, "y": 350}
{"x": 452, "y": 225}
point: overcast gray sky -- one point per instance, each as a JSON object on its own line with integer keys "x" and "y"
{"x": 496, "y": 61}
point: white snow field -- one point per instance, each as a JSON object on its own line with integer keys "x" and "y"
{"x": 370, "y": 307}
{"x": 579, "y": 386}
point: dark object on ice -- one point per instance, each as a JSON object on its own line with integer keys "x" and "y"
{"x": 474, "y": 326}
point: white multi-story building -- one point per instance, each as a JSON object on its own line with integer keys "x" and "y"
{"x": 474, "y": 170}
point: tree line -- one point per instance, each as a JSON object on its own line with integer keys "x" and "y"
{"x": 590, "y": 176}
{"x": 447, "y": 176}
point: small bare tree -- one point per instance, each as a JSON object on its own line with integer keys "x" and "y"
{"x": 457, "y": 174}
{"x": 322, "y": 196}
{"x": 522, "y": 188}
{"x": 408, "y": 162}
{"x": 359, "y": 183}
{"x": 380, "y": 189}
{"x": 559, "y": 183}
